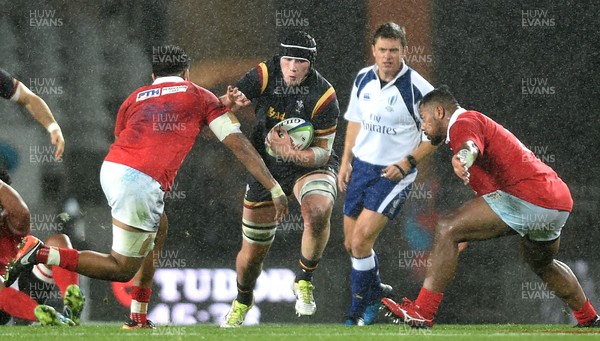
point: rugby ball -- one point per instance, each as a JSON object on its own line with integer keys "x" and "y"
{"x": 300, "y": 131}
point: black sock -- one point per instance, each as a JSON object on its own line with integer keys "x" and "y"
{"x": 306, "y": 269}
{"x": 245, "y": 294}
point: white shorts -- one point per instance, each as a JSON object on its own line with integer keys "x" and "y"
{"x": 135, "y": 198}
{"x": 535, "y": 222}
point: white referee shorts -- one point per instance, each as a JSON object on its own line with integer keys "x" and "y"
{"x": 135, "y": 198}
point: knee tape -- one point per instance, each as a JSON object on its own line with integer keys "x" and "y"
{"x": 132, "y": 244}
{"x": 323, "y": 187}
{"x": 255, "y": 233}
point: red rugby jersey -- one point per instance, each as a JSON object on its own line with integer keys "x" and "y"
{"x": 504, "y": 163}
{"x": 157, "y": 125}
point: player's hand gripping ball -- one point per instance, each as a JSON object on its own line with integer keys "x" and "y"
{"x": 300, "y": 131}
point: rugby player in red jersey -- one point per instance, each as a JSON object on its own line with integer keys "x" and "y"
{"x": 516, "y": 194}
{"x": 156, "y": 128}
{"x": 14, "y": 225}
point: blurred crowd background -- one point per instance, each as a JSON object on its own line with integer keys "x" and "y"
{"x": 531, "y": 65}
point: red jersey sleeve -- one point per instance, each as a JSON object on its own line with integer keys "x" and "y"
{"x": 211, "y": 105}
{"x": 465, "y": 129}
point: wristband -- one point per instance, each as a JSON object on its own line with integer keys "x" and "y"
{"x": 276, "y": 191}
{"x": 52, "y": 127}
{"x": 400, "y": 169}
{"x": 413, "y": 162}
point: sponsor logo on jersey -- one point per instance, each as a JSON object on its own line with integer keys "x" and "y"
{"x": 367, "y": 96}
{"x": 174, "y": 89}
{"x": 274, "y": 114}
{"x": 147, "y": 94}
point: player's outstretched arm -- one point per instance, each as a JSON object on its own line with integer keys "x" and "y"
{"x": 41, "y": 112}
{"x": 234, "y": 99}
{"x": 15, "y": 213}
{"x": 249, "y": 157}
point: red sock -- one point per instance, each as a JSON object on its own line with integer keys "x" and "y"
{"x": 63, "y": 278}
{"x": 17, "y": 304}
{"x": 68, "y": 258}
{"x": 428, "y": 303}
{"x": 64, "y": 257}
{"x": 586, "y": 314}
{"x": 42, "y": 255}
{"x": 139, "y": 304}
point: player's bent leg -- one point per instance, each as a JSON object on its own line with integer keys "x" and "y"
{"x": 130, "y": 247}
{"x": 67, "y": 281}
{"x": 475, "y": 220}
{"x": 316, "y": 193}
{"x": 539, "y": 255}
{"x": 316, "y": 213}
{"x": 141, "y": 290}
{"x": 17, "y": 304}
{"x": 367, "y": 289}
{"x": 258, "y": 232}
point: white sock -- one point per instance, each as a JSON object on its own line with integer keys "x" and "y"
{"x": 364, "y": 264}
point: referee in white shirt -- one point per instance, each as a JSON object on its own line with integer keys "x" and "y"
{"x": 383, "y": 146}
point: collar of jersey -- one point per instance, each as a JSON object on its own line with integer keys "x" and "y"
{"x": 400, "y": 73}
{"x": 453, "y": 119}
{"x": 168, "y": 79}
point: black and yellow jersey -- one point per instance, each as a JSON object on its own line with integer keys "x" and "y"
{"x": 314, "y": 100}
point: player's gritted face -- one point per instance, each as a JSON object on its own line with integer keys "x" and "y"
{"x": 388, "y": 54}
{"x": 433, "y": 123}
{"x": 294, "y": 70}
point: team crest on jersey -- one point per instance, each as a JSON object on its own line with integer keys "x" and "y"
{"x": 367, "y": 96}
{"x": 147, "y": 94}
{"x": 299, "y": 106}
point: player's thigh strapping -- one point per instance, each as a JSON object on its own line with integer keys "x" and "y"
{"x": 257, "y": 198}
{"x": 535, "y": 222}
{"x": 325, "y": 185}
{"x": 136, "y": 199}
{"x": 367, "y": 189}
